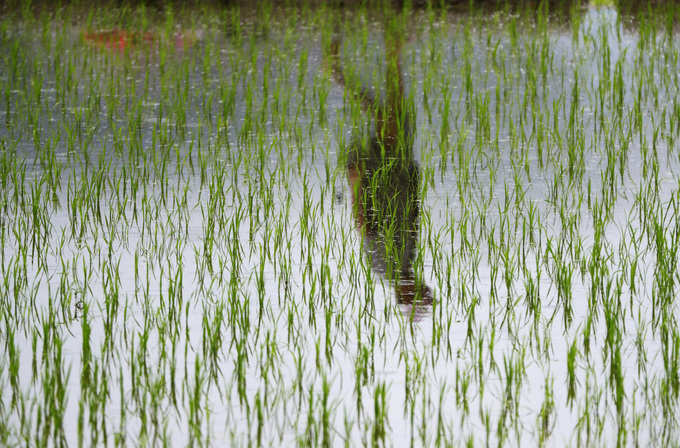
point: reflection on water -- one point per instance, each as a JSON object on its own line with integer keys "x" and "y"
{"x": 384, "y": 179}
{"x": 601, "y": 24}
{"x": 120, "y": 40}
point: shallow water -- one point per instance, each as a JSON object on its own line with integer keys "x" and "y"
{"x": 180, "y": 255}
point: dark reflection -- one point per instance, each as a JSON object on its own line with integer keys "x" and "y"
{"x": 384, "y": 178}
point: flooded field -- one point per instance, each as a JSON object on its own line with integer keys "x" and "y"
{"x": 312, "y": 226}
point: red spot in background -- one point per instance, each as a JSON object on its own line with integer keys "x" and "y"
{"x": 120, "y": 40}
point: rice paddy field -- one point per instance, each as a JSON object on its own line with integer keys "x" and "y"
{"x": 192, "y": 253}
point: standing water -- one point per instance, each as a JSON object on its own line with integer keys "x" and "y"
{"x": 315, "y": 226}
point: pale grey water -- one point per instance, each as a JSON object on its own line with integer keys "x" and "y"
{"x": 150, "y": 261}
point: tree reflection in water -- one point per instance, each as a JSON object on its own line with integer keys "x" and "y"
{"x": 384, "y": 178}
